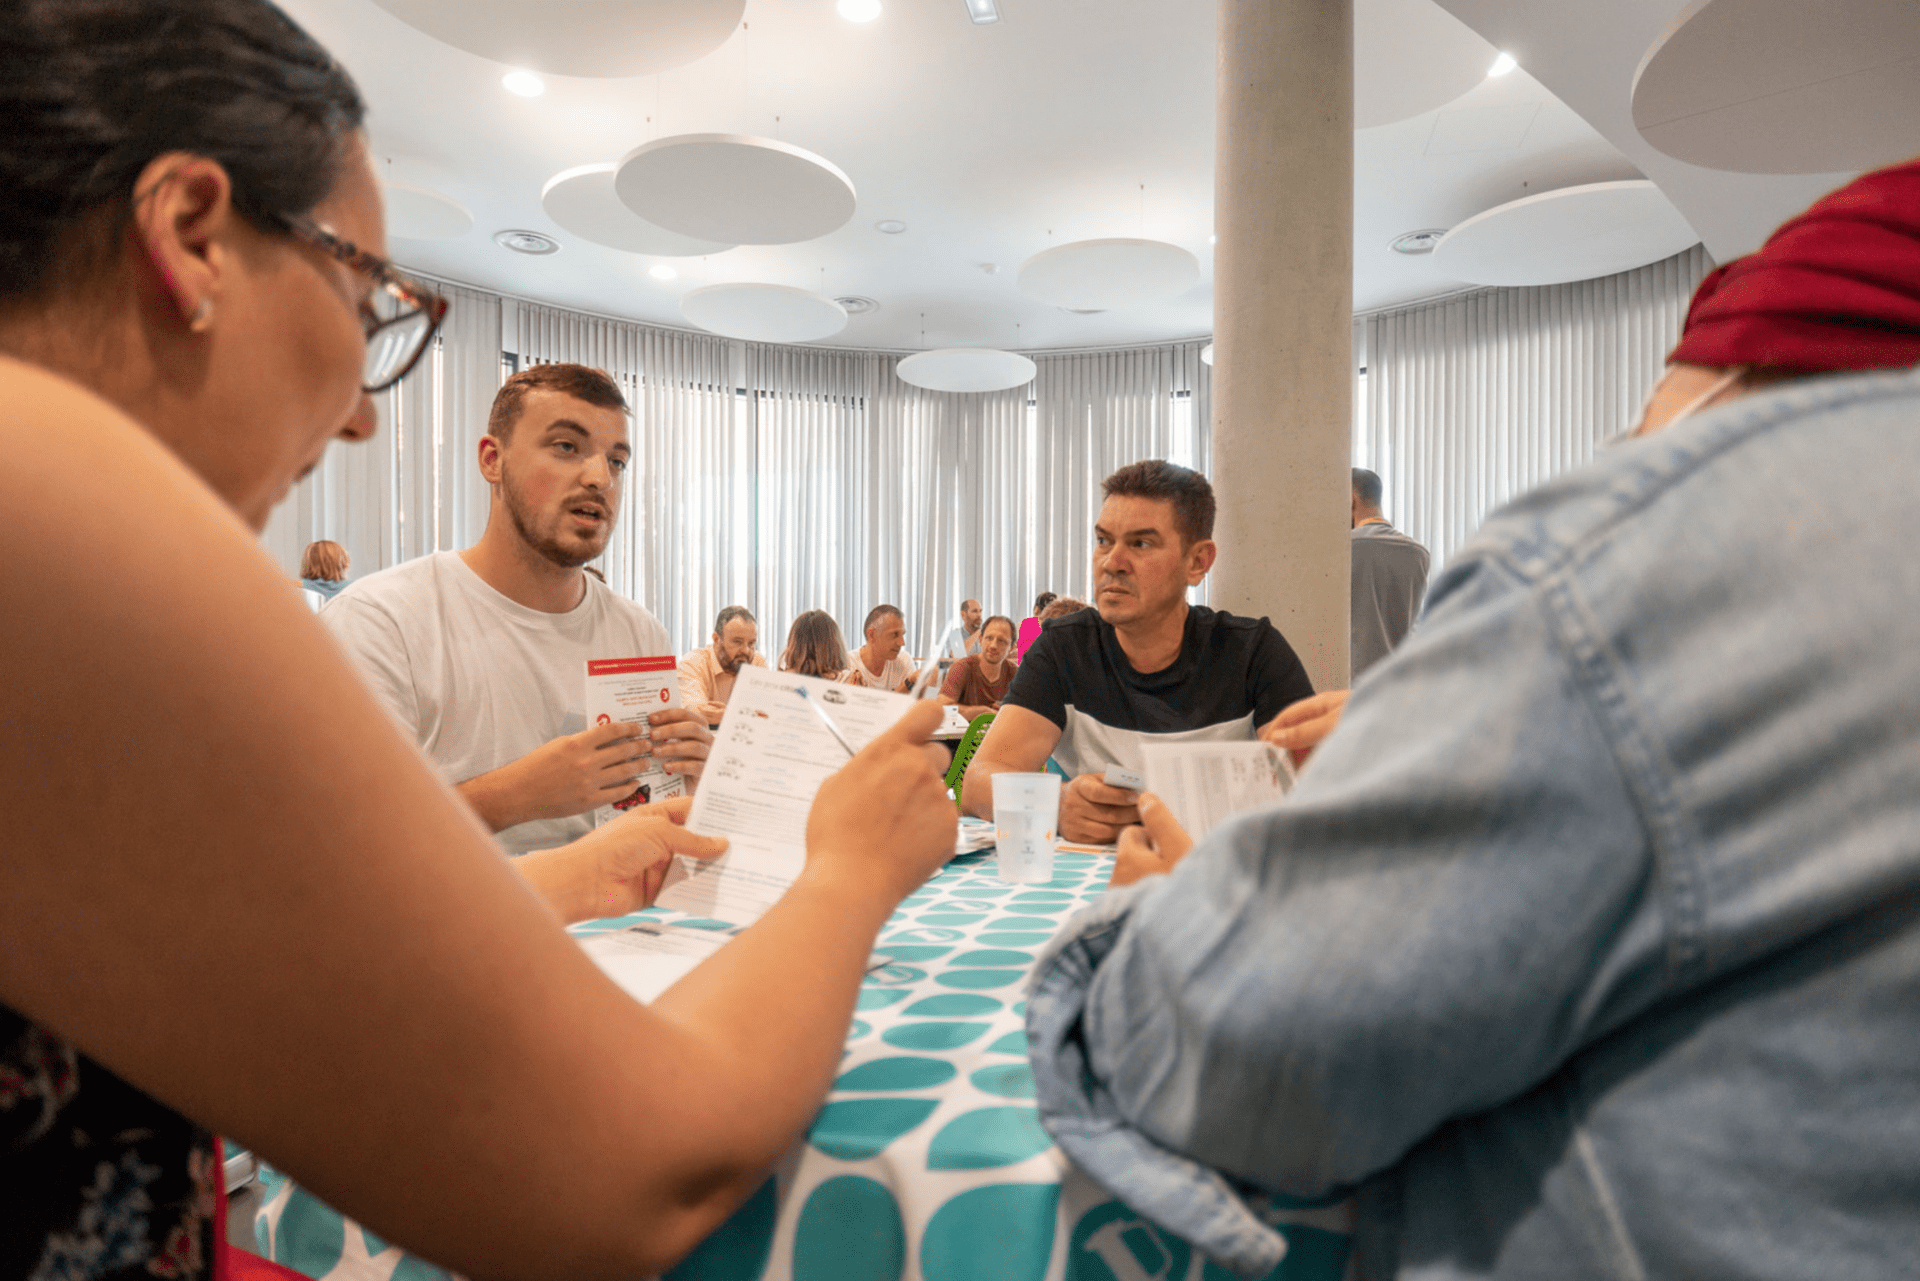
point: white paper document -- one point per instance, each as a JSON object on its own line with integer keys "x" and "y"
{"x": 625, "y": 690}
{"x": 646, "y": 960}
{"x": 1206, "y": 783}
{"x": 769, "y": 758}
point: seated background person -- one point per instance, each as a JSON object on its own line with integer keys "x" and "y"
{"x": 1060, "y": 607}
{"x": 1588, "y": 945}
{"x": 707, "y": 674}
{"x": 323, "y": 568}
{"x": 1098, "y": 683}
{"x": 978, "y": 683}
{"x": 1030, "y": 625}
{"x": 481, "y": 655}
{"x": 879, "y": 664}
{"x": 814, "y": 647}
{"x": 964, "y": 638}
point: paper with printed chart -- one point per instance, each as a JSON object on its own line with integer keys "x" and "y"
{"x": 769, "y": 758}
{"x": 625, "y": 690}
{"x": 1204, "y": 784}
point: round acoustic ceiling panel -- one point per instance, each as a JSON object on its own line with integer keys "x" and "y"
{"x": 1784, "y": 86}
{"x": 421, "y": 213}
{"x": 763, "y": 313}
{"x": 1411, "y": 57}
{"x": 735, "y": 189}
{"x": 1098, "y": 275}
{"x": 583, "y": 202}
{"x": 1575, "y": 233}
{"x": 966, "y": 369}
{"x": 578, "y": 37}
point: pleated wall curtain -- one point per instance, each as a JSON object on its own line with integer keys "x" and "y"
{"x": 1473, "y": 400}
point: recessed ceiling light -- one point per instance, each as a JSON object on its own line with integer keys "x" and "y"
{"x": 983, "y": 11}
{"x": 1502, "y": 65}
{"x": 526, "y": 242}
{"x": 1418, "y": 242}
{"x": 858, "y": 10}
{"x": 892, "y": 226}
{"x": 857, "y": 304}
{"x": 1083, "y": 311}
{"x": 663, "y": 271}
{"x": 524, "y": 83}
{"x": 1213, "y": 240}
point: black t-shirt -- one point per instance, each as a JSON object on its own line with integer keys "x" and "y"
{"x": 1233, "y": 675}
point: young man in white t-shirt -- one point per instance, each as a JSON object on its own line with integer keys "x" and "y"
{"x": 482, "y": 654}
{"x": 879, "y": 664}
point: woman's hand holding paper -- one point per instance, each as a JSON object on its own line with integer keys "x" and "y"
{"x": 1153, "y": 848}
{"x": 885, "y": 817}
{"x": 619, "y": 867}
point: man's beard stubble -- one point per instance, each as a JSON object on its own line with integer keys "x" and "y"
{"x": 548, "y": 547}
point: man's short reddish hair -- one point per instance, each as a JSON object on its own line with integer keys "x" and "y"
{"x": 582, "y": 382}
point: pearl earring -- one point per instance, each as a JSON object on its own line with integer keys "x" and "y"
{"x": 202, "y": 317}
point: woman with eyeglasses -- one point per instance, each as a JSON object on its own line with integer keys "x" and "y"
{"x": 193, "y": 303}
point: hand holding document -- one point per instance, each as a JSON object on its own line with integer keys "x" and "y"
{"x": 1206, "y": 783}
{"x": 625, "y": 691}
{"x": 769, "y": 758}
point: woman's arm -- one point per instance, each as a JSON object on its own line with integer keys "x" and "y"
{"x": 190, "y": 771}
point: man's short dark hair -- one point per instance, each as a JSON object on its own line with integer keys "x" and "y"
{"x": 730, "y": 613}
{"x": 1367, "y": 487}
{"x": 879, "y": 612}
{"x": 1187, "y": 490}
{"x": 582, "y": 382}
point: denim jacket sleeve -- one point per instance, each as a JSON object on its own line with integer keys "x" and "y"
{"x": 1300, "y": 1002}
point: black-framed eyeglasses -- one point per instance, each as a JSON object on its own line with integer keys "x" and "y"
{"x": 396, "y": 343}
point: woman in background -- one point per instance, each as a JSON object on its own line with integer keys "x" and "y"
{"x": 191, "y": 246}
{"x": 1030, "y": 626}
{"x": 323, "y": 568}
{"x": 814, "y": 647}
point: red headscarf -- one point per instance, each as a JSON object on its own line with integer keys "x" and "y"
{"x": 1836, "y": 288}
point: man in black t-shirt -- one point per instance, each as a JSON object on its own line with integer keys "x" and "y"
{"x": 1142, "y": 665}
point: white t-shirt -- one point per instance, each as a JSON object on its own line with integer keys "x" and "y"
{"x": 480, "y": 680}
{"x": 897, "y": 672}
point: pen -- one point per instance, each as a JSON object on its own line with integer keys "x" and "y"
{"x": 826, "y": 720}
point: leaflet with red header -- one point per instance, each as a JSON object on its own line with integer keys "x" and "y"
{"x": 624, "y": 690}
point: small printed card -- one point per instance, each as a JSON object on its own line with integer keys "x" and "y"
{"x": 625, "y": 690}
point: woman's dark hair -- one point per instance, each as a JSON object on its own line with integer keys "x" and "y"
{"x": 1043, "y": 600}
{"x": 814, "y": 647}
{"x": 93, "y": 90}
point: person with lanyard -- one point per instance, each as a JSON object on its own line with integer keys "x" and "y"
{"x": 1588, "y": 943}
{"x": 195, "y": 300}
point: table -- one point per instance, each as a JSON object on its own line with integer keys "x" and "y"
{"x": 927, "y": 1162}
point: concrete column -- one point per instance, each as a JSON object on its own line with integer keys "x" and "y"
{"x": 1283, "y": 320}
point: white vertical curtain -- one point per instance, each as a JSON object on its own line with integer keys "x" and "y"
{"x": 1475, "y": 399}
{"x": 1479, "y": 398}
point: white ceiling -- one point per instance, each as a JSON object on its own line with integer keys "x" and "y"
{"x": 1068, "y": 120}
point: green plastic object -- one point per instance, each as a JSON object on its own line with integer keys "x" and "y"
{"x": 969, "y": 744}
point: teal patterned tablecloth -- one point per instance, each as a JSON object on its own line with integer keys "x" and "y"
{"x": 927, "y": 1162}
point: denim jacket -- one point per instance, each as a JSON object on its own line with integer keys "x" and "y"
{"x": 1589, "y": 945}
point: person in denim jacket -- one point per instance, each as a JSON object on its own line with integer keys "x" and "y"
{"x": 1589, "y": 946}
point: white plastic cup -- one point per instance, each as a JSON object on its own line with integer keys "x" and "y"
{"x": 1026, "y": 813}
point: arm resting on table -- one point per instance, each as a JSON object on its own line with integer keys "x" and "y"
{"x": 1019, "y": 741}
